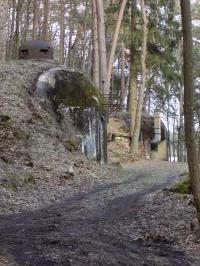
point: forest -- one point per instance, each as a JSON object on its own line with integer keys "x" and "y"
{"x": 102, "y": 98}
{"x": 130, "y": 33}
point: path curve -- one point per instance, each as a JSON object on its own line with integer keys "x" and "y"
{"x": 98, "y": 227}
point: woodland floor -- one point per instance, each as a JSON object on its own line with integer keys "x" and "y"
{"x": 126, "y": 216}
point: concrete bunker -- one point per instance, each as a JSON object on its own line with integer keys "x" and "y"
{"x": 80, "y": 100}
{"x": 153, "y": 140}
{"x": 36, "y": 49}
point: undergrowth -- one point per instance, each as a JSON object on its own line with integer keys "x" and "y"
{"x": 182, "y": 187}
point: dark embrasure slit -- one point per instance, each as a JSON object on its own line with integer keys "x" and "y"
{"x": 44, "y": 50}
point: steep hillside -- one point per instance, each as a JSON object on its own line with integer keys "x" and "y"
{"x": 38, "y": 151}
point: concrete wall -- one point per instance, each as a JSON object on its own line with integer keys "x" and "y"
{"x": 82, "y": 102}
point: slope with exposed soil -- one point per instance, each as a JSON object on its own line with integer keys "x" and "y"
{"x": 38, "y": 144}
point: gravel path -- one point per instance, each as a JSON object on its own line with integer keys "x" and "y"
{"x": 125, "y": 218}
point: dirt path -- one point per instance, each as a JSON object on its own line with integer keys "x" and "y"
{"x": 112, "y": 224}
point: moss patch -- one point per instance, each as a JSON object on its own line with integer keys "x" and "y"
{"x": 14, "y": 182}
{"x": 30, "y": 179}
{"x": 21, "y": 134}
{"x": 10, "y": 186}
{"x": 71, "y": 145}
{"x": 182, "y": 187}
{"x": 4, "y": 118}
{"x": 4, "y": 121}
{"x": 74, "y": 89}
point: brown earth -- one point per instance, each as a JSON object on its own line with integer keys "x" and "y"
{"x": 123, "y": 218}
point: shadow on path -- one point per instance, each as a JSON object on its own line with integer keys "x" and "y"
{"x": 75, "y": 233}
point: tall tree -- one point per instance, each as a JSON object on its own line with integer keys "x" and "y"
{"x": 95, "y": 52}
{"x": 123, "y": 85}
{"x": 114, "y": 44}
{"x": 188, "y": 101}
{"x": 17, "y": 28}
{"x": 133, "y": 74}
{"x": 70, "y": 45}
{"x": 84, "y": 38}
{"x": 35, "y": 18}
{"x": 3, "y": 28}
{"x": 143, "y": 80}
{"x": 101, "y": 47}
{"x": 62, "y": 31}
{"x": 45, "y": 30}
{"x": 12, "y": 28}
{"x": 26, "y": 21}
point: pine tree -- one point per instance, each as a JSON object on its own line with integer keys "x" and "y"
{"x": 188, "y": 101}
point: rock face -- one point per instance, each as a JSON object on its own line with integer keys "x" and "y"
{"x": 39, "y": 132}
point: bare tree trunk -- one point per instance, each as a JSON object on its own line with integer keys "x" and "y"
{"x": 181, "y": 130}
{"x": 88, "y": 69}
{"x": 27, "y": 21}
{"x": 95, "y": 53}
{"x": 45, "y": 30}
{"x": 188, "y": 101}
{"x": 199, "y": 152}
{"x": 174, "y": 139}
{"x": 123, "y": 85}
{"x": 69, "y": 60}
{"x": 84, "y": 39}
{"x": 143, "y": 81}
{"x": 169, "y": 136}
{"x": 114, "y": 44}
{"x": 12, "y": 28}
{"x": 35, "y": 18}
{"x": 112, "y": 87}
{"x": 127, "y": 85}
{"x": 69, "y": 50}
{"x": 149, "y": 104}
{"x": 3, "y": 28}
{"x": 17, "y": 28}
{"x": 145, "y": 104}
{"x": 133, "y": 75}
{"x": 62, "y": 31}
{"x": 102, "y": 47}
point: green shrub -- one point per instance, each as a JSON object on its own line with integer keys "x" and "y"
{"x": 182, "y": 187}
